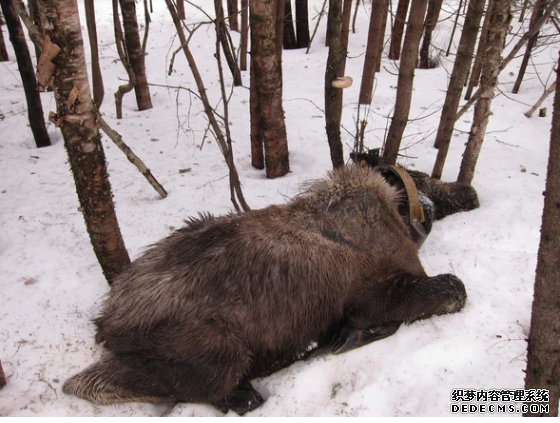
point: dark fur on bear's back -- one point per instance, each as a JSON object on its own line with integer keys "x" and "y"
{"x": 230, "y": 298}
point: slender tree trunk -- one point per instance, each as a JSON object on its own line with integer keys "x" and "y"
{"x": 77, "y": 118}
{"x": 290, "y": 41}
{"x": 336, "y": 63}
{"x": 523, "y": 9}
{"x": 385, "y": 13}
{"x": 317, "y": 25}
{"x": 432, "y": 16}
{"x": 500, "y": 17}
{"x": 134, "y": 50}
{"x": 405, "y": 80}
{"x": 121, "y": 50}
{"x": 480, "y": 52}
{"x": 233, "y": 11}
{"x": 459, "y": 74}
{"x": 3, "y": 52}
{"x": 257, "y": 147}
{"x": 267, "y": 62}
{"x": 454, "y": 28}
{"x": 181, "y": 9}
{"x": 375, "y": 40}
{"x": 226, "y": 46}
{"x": 543, "y": 358}
{"x": 97, "y": 77}
{"x": 302, "y": 23}
{"x": 35, "y": 15}
{"x": 355, "y": 16}
{"x": 398, "y": 30}
{"x": 32, "y": 96}
{"x": 244, "y": 34}
{"x": 538, "y": 10}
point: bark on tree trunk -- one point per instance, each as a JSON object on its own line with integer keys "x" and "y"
{"x": 432, "y": 16}
{"x": 405, "y": 80}
{"x": 244, "y": 34}
{"x": 398, "y": 30}
{"x": 257, "y": 152}
{"x": 3, "y": 52}
{"x": 337, "y": 30}
{"x": 181, "y": 9}
{"x": 543, "y": 359}
{"x": 480, "y": 52}
{"x": 267, "y": 61}
{"x": 233, "y": 11}
{"x": 385, "y": 13}
{"x": 97, "y": 78}
{"x": 290, "y": 42}
{"x": 77, "y": 118}
{"x": 2, "y": 376}
{"x": 375, "y": 40}
{"x": 302, "y": 23}
{"x": 500, "y": 18}
{"x": 538, "y": 10}
{"x": 134, "y": 50}
{"x": 32, "y": 96}
{"x": 459, "y": 74}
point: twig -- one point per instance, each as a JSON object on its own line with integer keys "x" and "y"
{"x": 132, "y": 158}
{"x": 316, "y": 26}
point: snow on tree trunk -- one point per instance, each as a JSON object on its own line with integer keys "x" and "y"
{"x": 543, "y": 352}
{"x": 134, "y": 49}
{"x": 405, "y": 80}
{"x": 78, "y": 121}
{"x": 267, "y": 63}
{"x": 500, "y": 18}
{"x": 32, "y": 96}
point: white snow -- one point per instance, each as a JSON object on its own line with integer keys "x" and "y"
{"x": 52, "y": 285}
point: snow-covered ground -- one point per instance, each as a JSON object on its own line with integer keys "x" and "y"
{"x": 51, "y": 284}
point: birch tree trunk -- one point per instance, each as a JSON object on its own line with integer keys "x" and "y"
{"x": 34, "y": 106}
{"x": 405, "y": 80}
{"x": 500, "y": 18}
{"x": 77, "y": 118}
{"x": 135, "y": 57}
{"x": 543, "y": 358}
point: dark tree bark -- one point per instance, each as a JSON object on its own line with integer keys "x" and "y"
{"x": 337, "y": 29}
{"x": 523, "y": 9}
{"x": 35, "y": 15}
{"x": 181, "y": 9}
{"x": 233, "y": 11}
{"x": 97, "y": 78}
{"x": 257, "y": 147}
{"x": 373, "y": 49}
{"x": 355, "y": 16}
{"x": 121, "y": 49}
{"x": 2, "y": 376}
{"x": 302, "y": 23}
{"x": 227, "y": 48}
{"x": 543, "y": 358}
{"x": 385, "y": 13}
{"x": 244, "y": 34}
{"x": 538, "y": 10}
{"x": 454, "y": 28}
{"x": 500, "y": 17}
{"x": 405, "y": 80}
{"x": 3, "y": 52}
{"x": 432, "y": 16}
{"x": 78, "y": 120}
{"x": 32, "y": 96}
{"x": 290, "y": 41}
{"x": 398, "y": 30}
{"x": 480, "y": 52}
{"x": 134, "y": 51}
{"x": 458, "y": 76}
{"x": 267, "y": 61}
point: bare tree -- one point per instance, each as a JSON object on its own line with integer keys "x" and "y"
{"x": 373, "y": 50}
{"x": 405, "y": 80}
{"x": 337, "y": 29}
{"x": 77, "y": 118}
{"x": 267, "y": 62}
{"x": 500, "y": 18}
{"x": 34, "y": 106}
{"x": 134, "y": 53}
{"x": 398, "y": 30}
{"x": 458, "y": 76}
{"x": 543, "y": 360}
{"x": 290, "y": 41}
{"x": 538, "y": 10}
{"x": 432, "y": 16}
{"x": 3, "y": 52}
{"x": 97, "y": 78}
{"x": 244, "y": 34}
{"x": 302, "y": 23}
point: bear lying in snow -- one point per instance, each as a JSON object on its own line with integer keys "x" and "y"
{"x": 228, "y": 299}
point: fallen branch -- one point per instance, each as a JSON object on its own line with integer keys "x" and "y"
{"x": 132, "y": 158}
{"x": 540, "y": 101}
{"x": 551, "y": 7}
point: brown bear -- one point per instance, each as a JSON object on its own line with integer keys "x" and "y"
{"x": 228, "y": 299}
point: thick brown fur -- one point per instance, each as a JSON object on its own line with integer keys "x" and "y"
{"x": 227, "y": 299}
